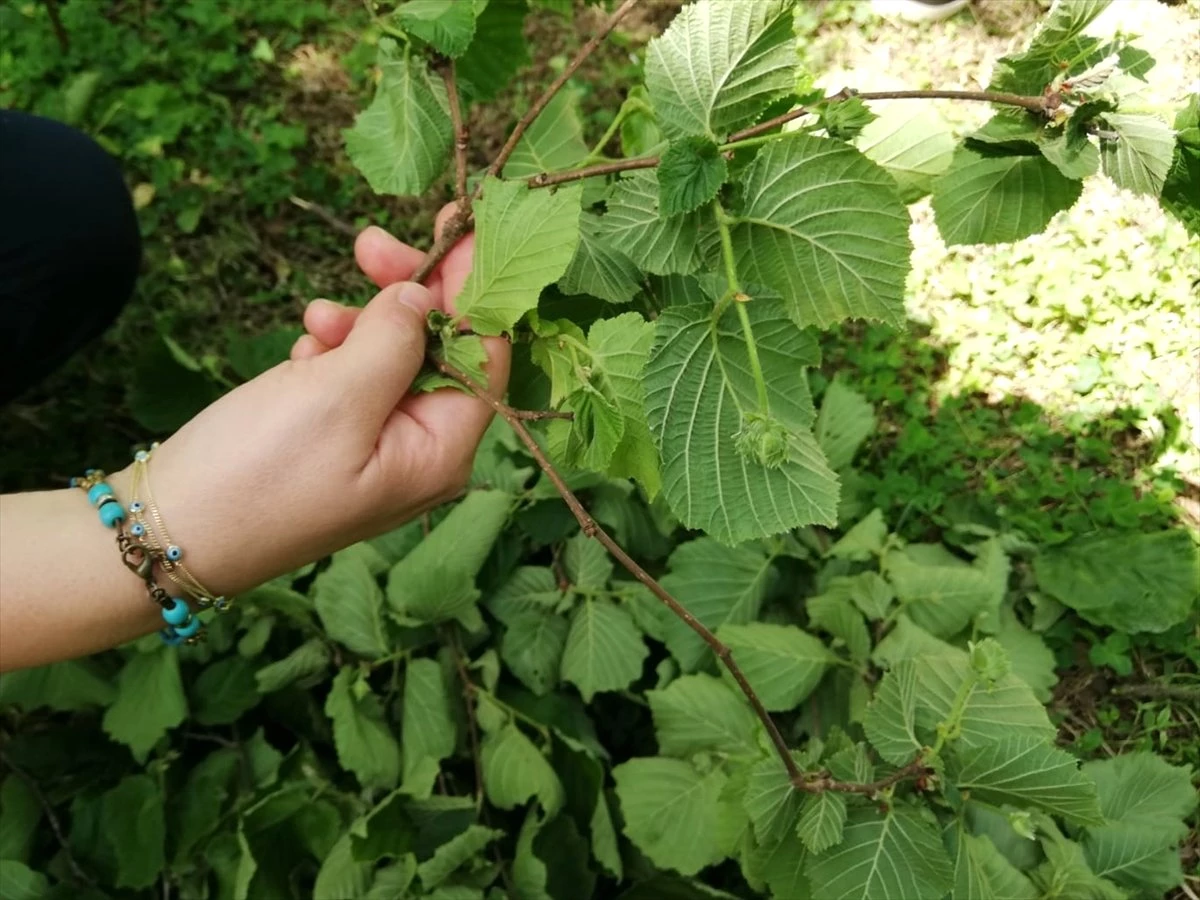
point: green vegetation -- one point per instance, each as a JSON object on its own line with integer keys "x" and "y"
{"x": 952, "y": 554}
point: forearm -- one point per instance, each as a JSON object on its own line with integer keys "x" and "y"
{"x": 64, "y": 591}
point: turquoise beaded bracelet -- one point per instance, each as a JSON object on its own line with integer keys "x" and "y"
{"x": 140, "y": 558}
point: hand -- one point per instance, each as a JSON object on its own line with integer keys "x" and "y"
{"x": 328, "y": 448}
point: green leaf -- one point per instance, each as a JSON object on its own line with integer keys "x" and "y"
{"x": 350, "y": 603}
{"x": 823, "y": 226}
{"x": 224, "y": 691}
{"x": 846, "y": 420}
{"x": 866, "y": 590}
{"x": 718, "y": 64}
{"x": 699, "y": 713}
{"x": 428, "y": 729}
{"x": 1065, "y": 872}
{"x": 1183, "y": 181}
{"x": 530, "y": 589}
{"x": 1058, "y": 38}
{"x": 1130, "y": 582}
{"x": 783, "y": 663}
{"x": 771, "y": 800}
{"x": 822, "y": 820}
{"x": 498, "y": 51}
{"x": 150, "y": 701}
{"x": 20, "y": 812}
{"x": 1032, "y": 661}
{"x": 132, "y": 820}
{"x": 672, "y": 812}
{"x": 984, "y": 199}
{"x": 634, "y": 226}
{"x": 1027, "y": 772}
{"x": 64, "y": 686}
{"x": 393, "y": 881}
{"x": 982, "y": 873}
{"x": 309, "y": 659}
{"x": 1141, "y": 789}
{"x": 913, "y": 145}
{"x": 402, "y": 140}
{"x": 1140, "y": 857}
{"x": 942, "y": 599}
{"x": 719, "y": 585}
{"x": 698, "y": 387}
{"x": 198, "y": 811}
{"x": 840, "y": 618}
{"x": 446, "y": 25}
{"x": 19, "y": 882}
{"x": 453, "y": 854}
{"x": 553, "y": 142}
{"x": 783, "y": 865}
{"x": 604, "y": 650}
{"x": 515, "y": 771}
{"x": 532, "y": 648}
{"x": 587, "y": 563}
{"x": 524, "y": 240}
{"x": 598, "y": 268}
{"x": 898, "y": 854}
{"x": 341, "y": 875}
{"x": 364, "y": 741}
{"x": 863, "y": 542}
{"x": 1140, "y": 156}
{"x": 890, "y": 722}
{"x": 689, "y": 175}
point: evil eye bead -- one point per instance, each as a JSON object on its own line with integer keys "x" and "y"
{"x": 111, "y": 513}
{"x": 97, "y": 493}
{"x": 141, "y": 456}
{"x": 170, "y": 637}
{"x": 174, "y": 553}
{"x": 136, "y": 506}
{"x": 221, "y": 604}
{"x": 188, "y": 628}
{"x": 177, "y": 613}
{"x": 137, "y": 529}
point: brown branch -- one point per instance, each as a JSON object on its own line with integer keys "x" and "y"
{"x": 64, "y": 42}
{"x": 537, "y": 415}
{"x": 324, "y": 215}
{"x": 497, "y": 166}
{"x": 461, "y": 135}
{"x": 55, "y": 825}
{"x": 915, "y": 769}
{"x": 469, "y": 701}
{"x": 1158, "y": 691}
{"x": 592, "y": 529}
{"x": 549, "y": 179}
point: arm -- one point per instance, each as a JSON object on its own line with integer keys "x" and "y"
{"x": 322, "y": 451}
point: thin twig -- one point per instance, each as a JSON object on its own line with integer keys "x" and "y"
{"x": 497, "y": 166}
{"x": 1158, "y": 691}
{"x": 322, "y": 213}
{"x": 548, "y": 179}
{"x": 537, "y": 415}
{"x": 468, "y": 687}
{"x": 55, "y": 825}
{"x": 462, "y": 136}
{"x": 64, "y": 41}
{"x": 915, "y": 769}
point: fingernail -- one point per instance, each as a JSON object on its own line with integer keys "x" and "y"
{"x": 412, "y": 294}
{"x": 321, "y": 301}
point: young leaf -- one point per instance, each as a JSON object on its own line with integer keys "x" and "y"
{"x": 771, "y": 800}
{"x": 428, "y": 732}
{"x": 446, "y": 25}
{"x": 1058, "y": 38}
{"x": 524, "y": 241}
{"x": 718, "y": 64}
{"x": 997, "y": 199}
{"x": 132, "y": 819}
{"x": 514, "y": 771}
{"x": 822, "y": 820}
{"x": 898, "y": 854}
{"x": 553, "y": 142}
{"x": 310, "y": 658}
{"x": 364, "y": 741}
{"x": 782, "y": 663}
{"x": 532, "y": 647}
{"x": 150, "y": 701}
{"x": 719, "y": 585}
{"x": 402, "y": 140}
{"x": 698, "y": 384}
{"x": 598, "y": 268}
{"x": 671, "y": 811}
{"x": 699, "y": 713}
{"x": 1027, "y": 772}
{"x": 822, "y": 225}
{"x": 841, "y": 619}
{"x": 633, "y": 225}
{"x": 64, "y": 686}
{"x": 604, "y": 650}
{"x": 689, "y": 175}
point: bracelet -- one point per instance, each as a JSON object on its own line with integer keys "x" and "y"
{"x": 153, "y": 532}
{"x": 140, "y": 558}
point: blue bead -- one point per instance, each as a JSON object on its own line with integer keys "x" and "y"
{"x": 136, "y": 506}
{"x": 170, "y": 638}
{"x": 188, "y": 628}
{"x": 137, "y": 529}
{"x": 111, "y": 513}
{"x": 177, "y": 614}
{"x": 98, "y": 492}
{"x": 174, "y": 553}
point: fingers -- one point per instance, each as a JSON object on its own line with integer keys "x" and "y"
{"x": 384, "y": 259}
{"x": 329, "y": 322}
{"x": 307, "y": 347}
{"x": 384, "y": 350}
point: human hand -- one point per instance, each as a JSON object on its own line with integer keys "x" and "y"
{"x": 328, "y": 448}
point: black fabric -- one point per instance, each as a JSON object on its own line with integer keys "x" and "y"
{"x": 69, "y": 246}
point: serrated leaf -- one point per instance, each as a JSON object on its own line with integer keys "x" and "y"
{"x": 846, "y": 420}
{"x": 719, "y": 585}
{"x": 394, "y": 880}
{"x": 986, "y": 199}
{"x": 840, "y": 618}
{"x": 699, "y": 386}
{"x": 350, "y": 603}
{"x": 341, "y": 875}
{"x": 1139, "y": 857}
{"x": 132, "y": 819}
{"x": 1058, "y": 37}
{"x": 866, "y": 590}
{"x": 982, "y": 873}
{"x": 898, "y": 854}
{"x": 587, "y": 563}
{"x": 498, "y": 51}
{"x": 1032, "y": 661}
{"x": 862, "y": 542}
{"x": 1027, "y": 772}
{"x": 822, "y": 820}
{"x": 718, "y": 64}
{"x": 529, "y": 589}
{"x": 401, "y": 141}
{"x": 524, "y": 240}
{"x": 1141, "y": 788}
{"x": 604, "y": 650}
{"x": 364, "y": 741}
{"x": 598, "y": 268}
{"x": 699, "y": 713}
{"x": 783, "y": 663}
{"x": 1065, "y": 872}
{"x": 913, "y": 146}
{"x": 690, "y": 173}
{"x": 453, "y": 854}
{"x": 1131, "y": 582}
{"x": 428, "y": 730}
{"x": 150, "y": 701}
{"x": 942, "y": 599}
{"x": 634, "y": 226}
{"x": 671, "y": 811}
{"x": 532, "y": 648}
{"x": 446, "y": 25}
{"x": 224, "y": 691}
{"x": 1140, "y": 157}
{"x": 553, "y": 142}
{"x": 822, "y": 225}
{"x": 65, "y": 686}
{"x": 310, "y": 658}
{"x": 890, "y": 722}
{"x": 771, "y": 801}
{"x": 514, "y": 771}
{"x": 783, "y": 865}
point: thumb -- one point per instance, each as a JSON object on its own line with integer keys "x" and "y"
{"x": 384, "y": 351}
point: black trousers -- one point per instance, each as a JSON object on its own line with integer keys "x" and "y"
{"x": 69, "y": 246}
